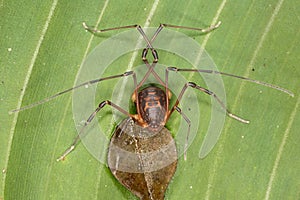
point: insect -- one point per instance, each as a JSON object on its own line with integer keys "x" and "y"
{"x": 142, "y": 153}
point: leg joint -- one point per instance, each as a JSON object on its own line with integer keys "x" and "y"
{"x": 103, "y": 103}
{"x": 192, "y": 84}
{"x": 174, "y": 69}
{"x": 128, "y": 73}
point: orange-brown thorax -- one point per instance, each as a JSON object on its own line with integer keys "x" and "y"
{"x": 152, "y": 108}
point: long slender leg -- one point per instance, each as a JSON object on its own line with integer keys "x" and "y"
{"x": 73, "y": 88}
{"x": 175, "y": 107}
{"x": 101, "y": 105}
{"x": 151, "y": 70}
{"x": 175, "y": 69}
{"x": 138, "y": 27}
{"x": 149, "y": 46}
{"x": 188, "y": 121}
{"x": 154, "y": 53}
{"x": 203, "y": 30}
{"x": 144, "y": 53}
{"x": 161, "y": 26}
{"x": 88, "y": 121}
{"x": 149, "y": 42}
{"x": 94, "y": 30}
{"x": 194, "y": 85}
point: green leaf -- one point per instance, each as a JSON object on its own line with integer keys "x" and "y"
{"x": 43, "y": 45}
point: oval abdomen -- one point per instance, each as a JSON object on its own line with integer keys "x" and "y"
{"x": 142, "y": 161}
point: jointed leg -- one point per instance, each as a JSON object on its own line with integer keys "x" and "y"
{"x": 208, "y": 71}
{"x": 88, "y": 121}
{"x": 189, "y": 128}
{"x": 203, "y": 30}
{"x": 194, "y": 85}
{"x": 101, "y": 105}
{"x": 149, "y": 42}
{"x": 73, "y": 88}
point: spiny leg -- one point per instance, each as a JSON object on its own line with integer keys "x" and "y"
{"x": 88, "y": 121}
